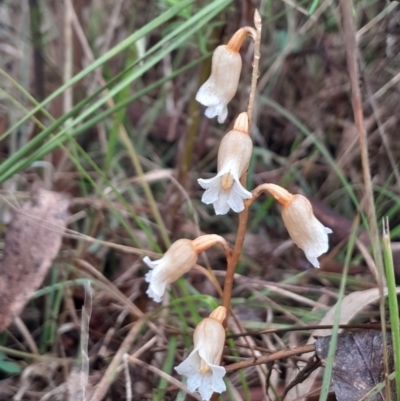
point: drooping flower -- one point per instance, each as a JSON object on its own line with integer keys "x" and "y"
{"x": 304, "y": 228}
{"x": 222, "y": 84}
{"x": 224, "y": 190}
{"x": 179, "y": 259}
{"x": 202, "y": 366}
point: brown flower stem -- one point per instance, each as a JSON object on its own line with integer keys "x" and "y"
{"x": 233, "y": 260}
{"x": 204, "y": 242}
{"x": 281, "y": 195}
{"x": 283, "y": 354}
{"x": 236, "y": 41}
{"x": 243, "y": 216}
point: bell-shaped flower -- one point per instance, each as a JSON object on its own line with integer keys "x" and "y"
{"x": 202, "y": 366}
{"x": 180, "y": 258}
{"x": 222, "y": 84}
{"x": 304, "y": 228}
{"x": 224, "y": 190}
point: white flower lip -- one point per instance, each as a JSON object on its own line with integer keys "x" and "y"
{"x": 209, "y": 339}
{"x": 224, "y": 199}
{"x": 222, "y": 84}
{"x": 179, "y": 259}
{"x": 305, "y": 229}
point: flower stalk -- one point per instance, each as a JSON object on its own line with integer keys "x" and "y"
{"x": 243, "y": 215}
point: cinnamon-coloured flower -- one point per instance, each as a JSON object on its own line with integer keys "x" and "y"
{"x": 179, "y": 259}
{"x": 306, "y": 231}
{"x": 202, "y": 365}
{"x": 224, "y": 190}
{"x": 222, "y": 84}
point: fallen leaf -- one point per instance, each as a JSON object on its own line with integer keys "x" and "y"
{"x": 358, "y": 366}
{"x": 352, "y": 304}
{"x": 32, "y": 241}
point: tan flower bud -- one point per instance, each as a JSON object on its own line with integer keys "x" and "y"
{"x": 304, "y": 228}
{"x": 222, "y": 84}
{"x": 219, "y": 314}
{"x": 179, "y": 259}
{"x": 224, "y": 190}
{"x": 202, "y": 365}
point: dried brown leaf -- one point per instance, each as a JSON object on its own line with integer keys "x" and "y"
{"x": 32, "y": 242}
{"x": 358, "y": 365}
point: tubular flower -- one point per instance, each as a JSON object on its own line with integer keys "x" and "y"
{"x": 222, "y": 84}
{"x": 202, "y": 365}
{"x": 179, "y": 259}
{"x": 224, "y": 190}
{"x": 305, "y": 230}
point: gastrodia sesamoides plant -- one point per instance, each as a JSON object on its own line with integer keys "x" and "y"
{"x": 179, "y": 259}
{"x": 202, "y": 366}
{"x": 222, "y": 84}
{"x": 224, "y": 190}
{"x": 304, "y": 228}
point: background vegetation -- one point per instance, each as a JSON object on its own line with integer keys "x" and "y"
{"x": 97, "y": 101}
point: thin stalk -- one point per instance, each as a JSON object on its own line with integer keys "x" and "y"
{"x": 352, "y": 66}
{"x": 393, "y": 305}
{"x": 243, "y": 216}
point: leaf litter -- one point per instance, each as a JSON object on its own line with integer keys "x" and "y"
{"x": 32, "y": 241}
{"x": 358, "y": 365}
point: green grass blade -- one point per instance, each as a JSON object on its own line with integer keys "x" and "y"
{"x": 392, "y": 296}
{"x": 156, "y": 22}
{"x": 13, "y": 164}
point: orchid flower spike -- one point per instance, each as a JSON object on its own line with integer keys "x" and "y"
{"x": 179, "y": 259}
{"x": 222, "y": 84}
{"x": 201, "y": 367}
{"x": 305, "y": 230}
{"x": 224, "y": 190}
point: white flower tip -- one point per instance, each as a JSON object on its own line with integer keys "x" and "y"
{"x": 150, "y": 263}
{"x": 328, "y": 230}
{"x": 156, "y": 290}
{"x": 154, "y": 295}
{"x": 148, "y": 276}
{"x": 223, "y": 114}
{"x": 314, "y": 261}
{"x": 219, "y": 110}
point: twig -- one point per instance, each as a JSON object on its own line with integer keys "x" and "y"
{"x": 86, "y": 313}
{"x": 108, "y": 376}
{"x": 370, "y": 326}
{"x": 283, "y": 354}
{"x": 128, "y": 383}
